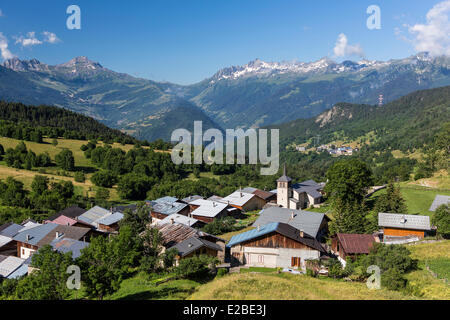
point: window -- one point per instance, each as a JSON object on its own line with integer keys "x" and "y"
{"x": 295, "y": 262}
{"x": 261, "y": 259}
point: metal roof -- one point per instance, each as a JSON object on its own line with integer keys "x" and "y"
{"x": 94, "y": 214}
{"x": 111, "y": 219}
{"x": 404, "y": 221}
{"x": 248, "y": 190}
{"x": 19, "y": 272}
{"x": 11, "y": 230}
{"x": 255, "y": 233}
{"x": 307, "y": 221}
{"x": 178, "y": 218}
{"x": 4, "y": 240}
{"x": 69, "y": 245}
{"x": 356, "y": 243}
{"x": 192, "y": 198}
{"x": 281, "y": 228}
{"x": 193, "y": 243}
{"x": 238, "y": 198}
{"x": 167, "y": 208}
{"x": 35, "y": 234}
{"x": 310, "y": 187}
{"x": 439, "y": 201}
{"x": 9, "y": 265}
{"x": 167, "y": 199}
{"x": 208, "y": 208}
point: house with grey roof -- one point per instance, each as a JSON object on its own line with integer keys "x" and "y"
{"x": 313, "y": 223}
{"x": 196, "y": 246}
{"x": 404, "y": 225}
{"x": 101, "y": 219}
{"x": 206, "y": 210}
{"x": 9, "y": 265}
{"x": 244, "y": 201}
{"x": 440, "y": 200}
{"x": 300, "y": 195}
{"x": 274, "y": 245}
{"x": 164, "y": 207}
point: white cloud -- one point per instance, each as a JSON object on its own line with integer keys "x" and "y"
{"x": 29, "y": 40}
{"x": 4, "y": 51}
{"x": 344, "y": 49}
{"x": 434, "y": 36}
{"x": 50, "y": 37}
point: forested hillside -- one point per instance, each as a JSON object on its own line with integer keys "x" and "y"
{"x": 16, "y": 120}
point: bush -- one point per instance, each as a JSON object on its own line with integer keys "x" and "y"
{"x": 80, "y": 177}
{"x": 222, "y": 272}
{"x": 221, "y": 226}
{"x": 196, "y": 267}
{"x": 105, "y": 179}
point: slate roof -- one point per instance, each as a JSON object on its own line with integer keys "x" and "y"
{"x": 167, "y": 199}
{"x": 238, "y": 198}
{"x": 121, "y": 209}
{"x": 192, "y": 244}
{"x": 11, "y": 230}
{"x": 263, "y": 194}
{"x": 356, "y": 243}
{"x": 281, "y": 228}
{"x": 178, "y": 218}
{"x": 248, "y": 190}
{"x": 71, "y": 212}
{"x": 92, "y": 215}
{"x": 70, "y": 232}
{"x": 307, "y": 221}
{"x": 69, "y": 245}
{"x": 439, "y": 201}
{"x": 2, "y": 257}
{"x": 208, "y": 208}
{"x": 310, "y": 187}
{"x": 36, "y": 233}
{"x": 215, "y": 198}
{"x": 404, "y": 221}
{"x": 9, "y": 265}
{"x": 111, "y": 219}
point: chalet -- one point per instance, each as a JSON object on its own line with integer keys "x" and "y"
{"x": 274, "y": 245}
{"x": 206, "y": 211}
{"x": 313, "y": 223}
{"x": 30, "y": 240}
{"x": 164, "y": 207}
{"x": 244, "y": 201}
{"x": 403, "y": 225}
{"x": 196, "y": 246}
{"x": 174, "y": 234}
{"x": 351, "y": 245}
{"x": 8, "y": 247}
{"x": 178, "y": 218}
{"x": 440, "y": 200}
{"x": 298, "y": 196}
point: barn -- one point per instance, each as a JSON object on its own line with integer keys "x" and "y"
{"x": 404, "y": 225}
{"x": 274, "y": 245}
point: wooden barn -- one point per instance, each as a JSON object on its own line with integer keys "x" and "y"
{"x": 351, "y": 245}
{"x": 404, "y": 225}
{"x": 274, "y": 245}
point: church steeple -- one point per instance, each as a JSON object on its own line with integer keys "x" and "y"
{"x": 284, "y": 177}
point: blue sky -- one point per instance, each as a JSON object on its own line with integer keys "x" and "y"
{"x": 187, "y": 41}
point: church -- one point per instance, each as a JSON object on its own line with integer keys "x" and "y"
{"x": 298, "y": 196}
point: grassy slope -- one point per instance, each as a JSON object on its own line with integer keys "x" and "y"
{"x": 27, "y": 176}
{"x": 248, "y": 286}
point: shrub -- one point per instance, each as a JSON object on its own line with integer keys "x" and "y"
{"x": 222, "y": 272}
{"x": 105, "y": 179}
{"x": 196, "y": 267}
{"x": 80, "y": 177}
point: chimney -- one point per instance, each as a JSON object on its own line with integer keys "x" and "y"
{"x": 214, "y": 204}
{"x": 172, "y": 221}
{"x": 57, "y": 235}
{"x": 292, "y": 215}
{"x": 241, "y": 194}
{"x": 302, "y": 234}
{"x": 259, "y": 227}
{"x": 28, "y": 237}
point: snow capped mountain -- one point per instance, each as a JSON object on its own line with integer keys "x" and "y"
{"x": 323, "y": 66}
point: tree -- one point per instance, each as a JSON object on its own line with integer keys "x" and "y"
{"x": 102, "y": 194}
{"x": 348, "y": 218}
{"x": 152, "y": 243}
{"x": 392, "y": 201}
{"x": 12, "y": 193}
{"x": 348, "y": 180}
{"x": 79, "y": 177}
{"x": 134, "y": 187}
{"x": 65, "y": 160}
{"x": 54, "y": 142}
{"x": 105, "y": 263}
{"x": 441, "y": 220}
{"x": 138, "y": 219}
{"x": 104, "y": 178}
{"x": 48, "y": 282}
{"x": 39, "y": 185}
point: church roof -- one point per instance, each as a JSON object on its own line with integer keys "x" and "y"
{"x": 284, "y": 177}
